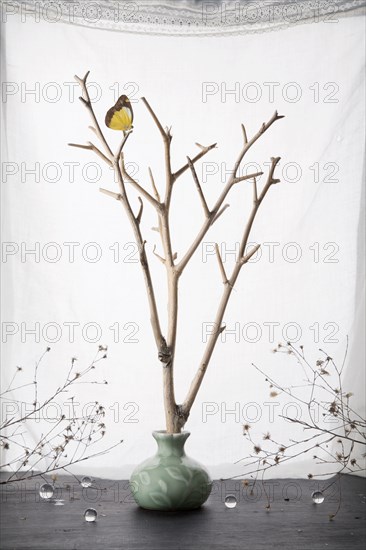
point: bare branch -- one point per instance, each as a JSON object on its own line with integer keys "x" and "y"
{"x": 116, "y": 196}
{"x": 85, "y": 99}
{"x": 167, "y": 137}
{"x": 202, "y": 232}
{"x": 219, "y": 213}
{"x": 270, "y": 179}
{"x": 125, "y": 138}
{"x": 154, "y": 319}
{"x": 244, "y": 134}
{"x": 139, "y": 215}
{"x": 164, "y": 229}
{"x": 120, "y": 172}
{"x": 242, "y": 259}
{"x": 156, "y": 192}
{"x": 165, "y": 134}
{"x": 92, "y": 147}
{"x": 247, "y": 177}
{"x": 199, "y": 189}
{"x": 264, "y": 127}
{"x": 255, "y": 191}
{"x": 158, "y": 256}
{"x": 247, "y": 257}
{"x": 176, "y": 415}
{"x": 137, "y": 186}
{"x": 204, "y": 151}
{"x": 221, "y": 265}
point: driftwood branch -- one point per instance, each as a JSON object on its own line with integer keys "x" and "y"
{"x": 176, "y": 415}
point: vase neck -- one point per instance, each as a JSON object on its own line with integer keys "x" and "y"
{"x": 170, "y": 444}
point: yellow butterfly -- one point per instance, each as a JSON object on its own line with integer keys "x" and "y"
{"x": 120, "y": 116}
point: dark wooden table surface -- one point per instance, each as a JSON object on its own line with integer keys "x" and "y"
{"x": 293, "y": 521}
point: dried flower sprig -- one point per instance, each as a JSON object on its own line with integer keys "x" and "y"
{"x": 321, "y": 394}
{"x": 70, "y": 438}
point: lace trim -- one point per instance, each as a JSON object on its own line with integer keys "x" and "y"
{"x": 187, "y": 17}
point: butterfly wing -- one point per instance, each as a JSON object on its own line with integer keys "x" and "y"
{"x": 120, "y": 116}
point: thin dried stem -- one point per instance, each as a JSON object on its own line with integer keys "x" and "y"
{"x": 139, "y": 215}
{"x": 156, "y": 192}
{"x": 53, "y": 447}
{"x": 334, "y": 446}
{"x": 85, "y": 99}
{"x": 199, "y": 188}
{"x": 203, "y": 152}
{"x": 136, "y": 185}
{"x": 221, "y": 265}
{"x": 215, "y": 214}
{"x": 92, "y": 147}
{"x": 116, "y": 196}
{"x": 244, "y": 134}
{"x": 158, "y": 256}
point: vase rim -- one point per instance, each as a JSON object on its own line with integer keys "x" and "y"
{"x": 164, "y": 432}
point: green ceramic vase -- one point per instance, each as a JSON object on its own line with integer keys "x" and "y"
{"x": 170, "y": 480}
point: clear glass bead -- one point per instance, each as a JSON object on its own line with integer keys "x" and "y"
{"x": 230, "y": 501}
{"x": 317, "y": 497}
{"x": 46, "y": 491}
{"x": 90, "y": 515}
{"x": 86, "y": 481}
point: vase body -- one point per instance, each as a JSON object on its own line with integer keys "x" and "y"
{"x": 170, "y": 480}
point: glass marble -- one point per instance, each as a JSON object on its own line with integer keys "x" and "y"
{"x": 317, "y": 497}
{"x": 86, "y": 481}
{"x": 90, "y": 515}
{"x": 46, "y": 491}
{"x": 230, "y": 501}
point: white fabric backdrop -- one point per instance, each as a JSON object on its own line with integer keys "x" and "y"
{"x": 321, "y": 64}
{"x": 187, "y": 17}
